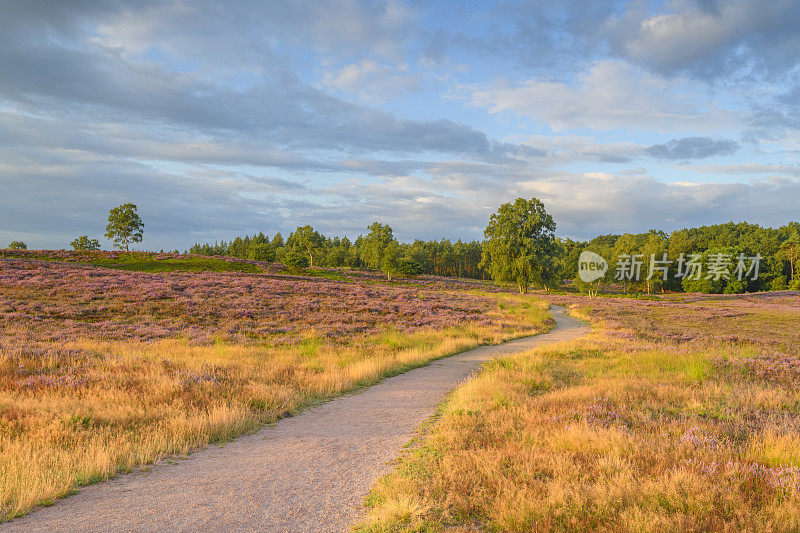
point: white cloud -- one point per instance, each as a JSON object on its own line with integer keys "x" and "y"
{"x": 372, "y": 81}
{"x": 748, "y": 169}
{"x": 609, "y": 95}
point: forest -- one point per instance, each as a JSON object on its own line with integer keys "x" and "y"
{"x": 779, "y": 249}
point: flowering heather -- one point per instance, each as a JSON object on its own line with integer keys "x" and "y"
{"x": 90, "y": 256}
{"x": 106, "y": 368}
{"x": 674, "y": 414}
{"x": 55, "y": 302}
{"x": 764, "y": 320}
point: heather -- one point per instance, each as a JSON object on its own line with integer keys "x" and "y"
{"x": 103, "y": 370}
{"x": 670, "y": 415}
{"x": 54, "y": 302}
{"x": 141, "y": 261}
{"x": 763, "y": 321}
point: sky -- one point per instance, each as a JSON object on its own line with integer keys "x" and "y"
{"x": 220, "y": 118}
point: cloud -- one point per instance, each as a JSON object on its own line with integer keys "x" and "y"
{"x": 576, "y": 148}
{"x": 104, "y": 88}
{"x": 693, "y": 148}
{"x": 223, "y": 118}
{"x": 372, "y": 81}
{"x": 256, "y": 34}
{"x": 609, "y": 95}
{"x": 588, "y": 205}
{"x": 749, "y": 169}
{"x": 710, "y": 39}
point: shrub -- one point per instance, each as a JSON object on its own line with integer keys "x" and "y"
{"x": 295, "y": 260}
{"x": 85, "y": 243}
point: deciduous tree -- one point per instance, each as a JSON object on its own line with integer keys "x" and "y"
{"x": 520, "y": 244}
{"x": 375, "y": 243}
{"x": 308, "y": 240}
{"x": 124, "y": 226}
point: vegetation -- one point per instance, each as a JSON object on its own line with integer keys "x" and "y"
{"x": 439, "y": 258}
{"x": 777, "y": 247}
{"x": 544, "y": 261}
{"x": 105, "y": 370}
{"x": 679, "y": 412}
{"x": 124, "y": 226}
{"x": 139, "y": 261}
{"x": 17, "y": 245}
{"x": 306, "y": 240}
{"x": 84, "y": 243}
{"x": 520, "y": 245}
{"x": 672, "y": 415}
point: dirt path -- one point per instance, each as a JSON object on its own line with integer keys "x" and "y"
{"x": 308, "y": 473}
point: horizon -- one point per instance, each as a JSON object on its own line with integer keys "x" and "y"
{"x": 134, "y": 247}
{"x": 225, "y": 119}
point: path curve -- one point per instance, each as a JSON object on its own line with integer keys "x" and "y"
{"x": 307, "y": 473}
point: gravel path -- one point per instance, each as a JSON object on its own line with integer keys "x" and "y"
{"x": 307, "y": 473}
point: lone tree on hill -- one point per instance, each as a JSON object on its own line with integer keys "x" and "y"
{"x": 17, "y": 245}
{"x": 124, "y": 226}
{"x": 85, "y": 243}
{"x": 520, "y": 245}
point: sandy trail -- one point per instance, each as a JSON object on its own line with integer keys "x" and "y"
{"x": 307, "y": 473}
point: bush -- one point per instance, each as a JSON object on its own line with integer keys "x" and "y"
{"x": 735, "y": 286}
{"x": 778, "y": 284}
{"x": 295, "y": 260}
{"x": 17, "y": 245}
{"x": 408, "y": 267}
{"x": 84, "y": 243}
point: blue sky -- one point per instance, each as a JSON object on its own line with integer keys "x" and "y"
{"x": 223, "y": 118}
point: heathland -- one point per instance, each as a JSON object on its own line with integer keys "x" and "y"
{"x": 113, "y": 360}
{"x": 675, "y": 414}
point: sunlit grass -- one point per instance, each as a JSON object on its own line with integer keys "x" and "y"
{"x": 612, "y": 432}
{"x": 98, "y": 407}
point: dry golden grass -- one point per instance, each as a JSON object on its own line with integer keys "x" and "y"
{"x": 141, "y": 401}
{"x": 612, "y": 432}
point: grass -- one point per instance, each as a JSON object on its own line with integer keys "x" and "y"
{"x": 627, "y": 429}
{"x": 81, "y": 407}
{"x": 147, "y": 263}
{"x": 136, "y": 261}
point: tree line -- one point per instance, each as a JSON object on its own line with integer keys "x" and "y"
{"x": 520, "y": 247}
{"x": 377, "y": 249}
{"x": 776, "y": 252}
